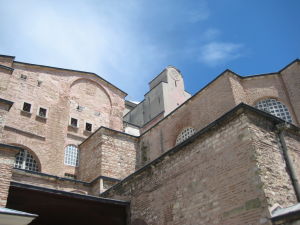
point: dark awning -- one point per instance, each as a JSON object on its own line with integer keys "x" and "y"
{"x": 60, "y": 207}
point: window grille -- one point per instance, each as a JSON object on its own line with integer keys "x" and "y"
{"x": 185, "y": 134}
{"x": 71, "y": 155}
{"x": 24, "y": 160}
{"x": 275, "y": 108}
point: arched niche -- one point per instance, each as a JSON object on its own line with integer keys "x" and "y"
{"x": 27, "y": 154}
{"x": 90, "y": 88}
{"x": 91, "y": 100}
{"x": 275, "y": 107}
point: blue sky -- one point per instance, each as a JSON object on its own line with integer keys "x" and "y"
{"x": 130, "y": 42}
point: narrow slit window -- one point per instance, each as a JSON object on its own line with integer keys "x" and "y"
{"x": 88, "y": 127}
{"x": 27, "y": 107}
{"x": 74, "y": 122}
{"x": 42, "y": 112}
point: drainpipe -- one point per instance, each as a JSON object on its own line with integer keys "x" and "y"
{"x": 288, "y": 160}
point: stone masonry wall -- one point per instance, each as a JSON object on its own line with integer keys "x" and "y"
{"x": 107, "y": 153}
{"x": 212, "y": 180}
{"x": 292, "y": 141}
{"x": 271, "y": 164}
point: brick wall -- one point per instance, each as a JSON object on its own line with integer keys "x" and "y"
{"x": 197, "y": 112}
{"x": 107, "y": 153}
{"x": 213, "y": 180}
{"x": 227, "y": 91}
{"x": 60, "y": 92}
{"x": 6, "y": 164}
{"x": 48, "y": 181}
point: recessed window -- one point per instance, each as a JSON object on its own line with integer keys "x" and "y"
{"x": 275, "y": 108}
{"x": 71, "y": 155}
{"x": 42, "y": 112}
{"x": 74, "y": 122}
{"x": 23, "y": 77}
{"x": 27, "y": 107}
{"x": 24, "y": 160}
{"x": 88, "y": 126}
{"x": 185, "y": 134}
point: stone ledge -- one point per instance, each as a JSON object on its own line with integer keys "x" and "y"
{"x": 25, "y": 133}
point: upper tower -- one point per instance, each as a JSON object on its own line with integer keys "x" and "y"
{"x": 166, "y": 93}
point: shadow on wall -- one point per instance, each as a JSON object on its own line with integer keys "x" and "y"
{"x": 139, "y": 222}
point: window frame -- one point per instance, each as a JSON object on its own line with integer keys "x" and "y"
{"x": 30, "y": 110}
{"x": 86, "y": 123}
{"x": 69, "y": 156}
{"x": 274, "y": 107}
{"x": 38, "y": 112}
{"x": 77, "y": 123}
{"x": 27, "y": 156}
{"x": 180, "y": 139}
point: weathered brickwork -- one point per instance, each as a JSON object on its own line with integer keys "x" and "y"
{"x": 107, "y": 153}
{"x": 94, "y": 188}
{"x": 6, "y": 165}
{"x": 271, "y": 164}
{"x": 292, "y": 141}
{"x": 65, "y": 94}
{"x": 216, "y": 179}
{"x": 50, "y": 182}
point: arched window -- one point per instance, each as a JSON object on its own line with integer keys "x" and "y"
{"x": 71, "y": 155}
{"x": 275, "y": 108}
{"x": 24, "y": 160}
{"x": 185, "y": 134}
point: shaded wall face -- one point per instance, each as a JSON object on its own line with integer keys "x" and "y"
{"x": 213, "y": 180}
{"x": 47, "y": 138}
{"x": 291, "y": 78}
